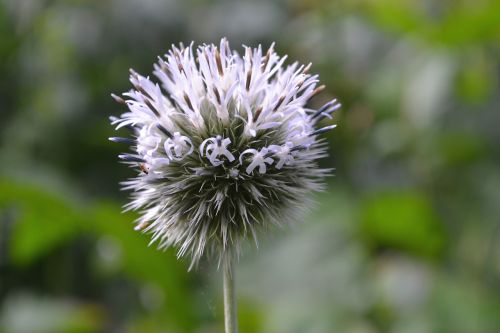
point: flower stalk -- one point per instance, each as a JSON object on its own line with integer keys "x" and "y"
{"x": 230, "y": 305}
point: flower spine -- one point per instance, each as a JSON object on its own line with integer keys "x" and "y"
{"x": 224, "y": 146}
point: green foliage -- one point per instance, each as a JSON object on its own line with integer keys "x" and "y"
{"x": 402, "y": 220}
{"x": 147, "y": 263}
{"x": 42, "y": 221}
{"x": 442, "y": 23}
{"x": 458, "y": 149}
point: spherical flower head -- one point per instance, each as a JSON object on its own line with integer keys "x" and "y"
{"x": 224, "y": 146}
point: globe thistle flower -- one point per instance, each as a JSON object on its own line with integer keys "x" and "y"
{"x": 224, "y": 146}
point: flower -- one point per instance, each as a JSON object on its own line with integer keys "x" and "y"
{"x": 225, "y": 147}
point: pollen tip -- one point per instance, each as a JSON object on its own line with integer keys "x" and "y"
{"x": 118, "y": 99}
{"x": 141, "y": 226}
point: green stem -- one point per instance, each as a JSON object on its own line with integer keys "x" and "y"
{"x": 230, "y": 316}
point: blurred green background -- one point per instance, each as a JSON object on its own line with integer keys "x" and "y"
{"x": 405, "y": 240}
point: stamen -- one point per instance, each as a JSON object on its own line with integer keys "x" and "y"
{"x": 268, "y": 55}
{"x": 317, "y": 91}
{"x": 300, "y": 84}
{"x": 217, "y": 96}
{"x": 171, "y": 100}
{"x": 118, "y": 99}
{"x": 326, "y": 109}
{"x": 130, "y": 158}
{"x": 282, "y": 98}
{"x": 164, "y": 131}
{"x": 219, "y": 63}
{"x": 179, "y": 64}
{"x": 188, "y": 101}
{"x": 144, "y": 92}
{"x": 257, "y": 113}
{"x": 249, "y": 78}
{"x": 141, "y": 226}
{"x": 307, "y": 68}
{"x": 151, "y": 107}
{"x": 133, "y": 73}
{"x": 165, "y": 69}
{"x": 115, "y": 120}
{"x": 298, "y": 147}
{"x": 322, "y": 130}
{"x": 122, "y": 140}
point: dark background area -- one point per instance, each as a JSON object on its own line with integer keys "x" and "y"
{"x": 405, "y": 239}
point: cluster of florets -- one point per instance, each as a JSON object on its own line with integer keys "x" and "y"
{"x": 224, "y": 147}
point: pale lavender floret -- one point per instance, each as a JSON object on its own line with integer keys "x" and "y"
{"x": 148, "y": 141}
{"x": 212, "y": 148}
{"x": 283, "y": 153}
{"x": 259, "y": 159}
{"x": 178, "y": 146}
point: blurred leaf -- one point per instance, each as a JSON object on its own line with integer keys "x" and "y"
{"x": 397, "y": 15}
{"x": 457, "y": 148}
{"x": 452, "y": 23}
{"x": 42, "y": 220}
{"x": 402, "y": 220}
{"x": 146, "y": 263}
{"x": 24, "y": 313}
{"x": 461, "y": 305}
{"x": 476, "y": 78}
{"x": 468, "y": 23}
{"x": 249, "y": 318}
